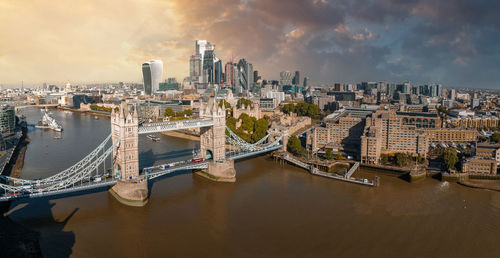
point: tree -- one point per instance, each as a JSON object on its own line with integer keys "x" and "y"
{"x": 384, "y": 159}
{"x": 450, "y": 158}
{"x": 169, "y": 112}
{"x": 329, "y": 154}
{"x": 247, "y": 122}
{"x": 260, "y": 129}
{"x": 402, "y": 159}
{"x": 339, "y": 156}
{"x": 244, "y": 103}
{"x": 288, "y": 108}
{"x": 495, "y": 137}
{"x": 420, "y": 159}
{"x": 294, "y": 146}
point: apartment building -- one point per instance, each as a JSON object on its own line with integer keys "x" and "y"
{"x": 388, "y": 132}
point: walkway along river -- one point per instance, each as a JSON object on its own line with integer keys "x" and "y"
{"x": 271, "y": 210}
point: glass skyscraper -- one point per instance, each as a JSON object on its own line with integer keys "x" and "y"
{"x": 152, "y": 72}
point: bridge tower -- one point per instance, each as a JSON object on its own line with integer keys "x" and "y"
{"x": 213, "y": 144}
{"x": 131, "y": 188}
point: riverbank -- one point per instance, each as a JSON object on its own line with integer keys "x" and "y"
{"x": 16, "y": 163}
{"x": 90, "y": 112}
{"x": 182, "y": 135}
{"x": 493, "y": 185}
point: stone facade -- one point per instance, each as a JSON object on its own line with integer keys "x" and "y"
{"x": 456, "y": 135}
{"x": 343, "y": 131}
{"x": 130, "y": 188}
{"x": 479, "y": 165}
{"x": 213, "y": 141}
{"x": 386, "y": 132}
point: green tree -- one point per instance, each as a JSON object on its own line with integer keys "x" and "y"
{"x": 294, "y": 146}
{"x": 384, "y": 159}
{"x": 247, "y": 122}
{"x": 244, "y": 103}
{"x": 329, "y": 154}
{"x": 402, "y": 159}
{"x": 450, "y": 158}
{"x": 495, "y": 137}
{"x": 260, "y": 129}
{"x": 288, "y": 108}
{"x": 169, "y": 112}
{"x": 420, "y": 159}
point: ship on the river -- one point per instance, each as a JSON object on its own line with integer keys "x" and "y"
{"x": 49, "y": 123}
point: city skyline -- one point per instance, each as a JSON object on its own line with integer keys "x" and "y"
{"x": 452, "y": 43}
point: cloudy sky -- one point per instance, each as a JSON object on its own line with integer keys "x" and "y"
{"x": 453, "y": 42}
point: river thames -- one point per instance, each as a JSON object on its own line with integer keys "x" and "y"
{"x": 270, "y": 211}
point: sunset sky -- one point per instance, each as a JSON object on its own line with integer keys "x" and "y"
{"x": 456, "y": 43}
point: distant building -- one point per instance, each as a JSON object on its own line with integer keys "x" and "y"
{"x": 448, "y": 135}
{"x": 306, "y": 82}
{"x": 152, "y": 72}
{"x": 285, "y": 78}
{"x": 170, "y": 84}
{"x": 7, "y": 119}
{"x": 296, "y": 78}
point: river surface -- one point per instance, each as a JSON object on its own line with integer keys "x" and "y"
{"x": 270, "y": 211}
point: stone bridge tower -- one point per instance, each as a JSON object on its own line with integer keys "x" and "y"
{"x": 213, "y": 143}
{"x": 130, "y": 188}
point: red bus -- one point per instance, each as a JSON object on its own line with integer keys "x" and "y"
{"x": 198, "y": 160}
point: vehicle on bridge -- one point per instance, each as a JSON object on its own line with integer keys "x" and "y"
{"x": 197, "y": 160}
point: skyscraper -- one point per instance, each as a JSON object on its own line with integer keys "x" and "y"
{"x": 285, "y": 78}
{"x": 195, "y": 66}
{"x": 218, "y": 72}
{"x": 306, "y": 82}
{"x": 152, "y": 72}
{"x": 245, "y": 75}
{"x": 296, "y": 78}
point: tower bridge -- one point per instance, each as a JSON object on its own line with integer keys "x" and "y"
{"x": 128, "y": 183}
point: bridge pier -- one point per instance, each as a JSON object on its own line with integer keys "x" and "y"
{"x": 131, "y": 193}
{"x": 219, "y": 171}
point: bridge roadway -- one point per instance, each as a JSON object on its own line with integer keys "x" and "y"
{"x": 105, "y": 180}
{"x": 148, "y": 128}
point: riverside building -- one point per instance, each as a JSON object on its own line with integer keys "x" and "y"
{"x": 386, "y": 132}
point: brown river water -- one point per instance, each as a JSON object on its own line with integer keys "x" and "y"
{"x": 271, "y": 210}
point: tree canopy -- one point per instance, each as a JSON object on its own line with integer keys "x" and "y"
{"x": 302, "y": 109}
{"x": 495, "y": 137}
{"x": 450, "y": 158}
{"x": 295, "y": 147}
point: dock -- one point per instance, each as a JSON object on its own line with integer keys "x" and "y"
{"x": 315, "y": 171}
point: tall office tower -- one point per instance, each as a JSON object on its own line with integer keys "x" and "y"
{"x": 285, "y": 78}
{"x": 195, "y": 66}
{"x": 245, "y": 74}
{"x": 218, "y": 72}
{"x": 306, "y": 82}
{"x": 201, "y": 46}
{"x": 229, "y": 74}
{"x": 250, "y": 76}
{"x": 296, "y": 78}
{"x": 152, "y": 72}
{"x": 406, "y": 88}
{"x": 453, "y": 94}
{"x": 208, "y": 66}
{"x": 256, "y": 76}
{"x": 439, "y": 90}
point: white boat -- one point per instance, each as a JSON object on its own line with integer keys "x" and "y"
{"x": 49, "y": 122}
